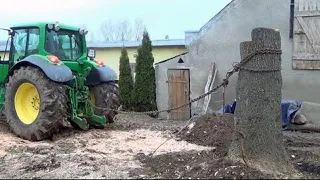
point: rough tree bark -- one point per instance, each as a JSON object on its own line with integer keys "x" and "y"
{"x": 257, "y": 137}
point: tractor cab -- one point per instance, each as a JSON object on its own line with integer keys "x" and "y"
{"x": 67, "y": 43}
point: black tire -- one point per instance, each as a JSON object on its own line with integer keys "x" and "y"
{"x": 53, "y": 105}
{"x": 106, "y": 96}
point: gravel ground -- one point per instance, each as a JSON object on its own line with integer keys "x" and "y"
{"x": 107, "y": 153}
{"x": 126, "y": 151}
{"x": 129, "y": 122}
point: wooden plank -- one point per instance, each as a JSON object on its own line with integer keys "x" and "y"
{"x": 186, "y": 88}
{"x": 305, "y": 65}
{"x": 178, "y": 89}
{"x": 170, "y": 90}
{"x": 174, "y": 81}
{"x": 209, "y": 86}
{"x": 306, "y": 31}
{"x": 306, "y": 56}
{"x": 307, "y": 5}
{"x": 307, "y": 13}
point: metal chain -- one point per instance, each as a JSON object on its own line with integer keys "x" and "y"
{"x": 236, "y": 68}
{"x": 263, "y": 51}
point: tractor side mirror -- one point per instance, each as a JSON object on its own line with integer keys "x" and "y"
{"x": 91, "y": 53}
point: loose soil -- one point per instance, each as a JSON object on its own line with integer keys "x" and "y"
{"x": 216, "y": 131}
{"x": 127, "y": 150}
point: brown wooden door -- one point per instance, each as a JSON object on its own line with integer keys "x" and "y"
{"x": 179, "y": 92}
{"x": 306, "y": 37}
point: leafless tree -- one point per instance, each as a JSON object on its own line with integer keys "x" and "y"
{"x": 91, "y": 37}
{"x": 122, "y": 30}
{"x": 108, "y": 30}
{"x": 139, "y": 29}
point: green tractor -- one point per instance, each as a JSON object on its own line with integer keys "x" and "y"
{"x": 50, "y": 77}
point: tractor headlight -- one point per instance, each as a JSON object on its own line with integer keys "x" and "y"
{"x": 81, "y": 31}
{"x": 57, "y": 27}
{"x": 50, "y": 26}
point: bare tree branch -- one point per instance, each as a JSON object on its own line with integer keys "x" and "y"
{"x": 108, "y": 30}
{"x": 122, "y": 30}
{"x": 139, "y": 29}
{"x": 91, "y": 37}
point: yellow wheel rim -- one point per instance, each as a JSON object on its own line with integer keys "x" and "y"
{"x": 92, "y": 98}
{"x": 27, "y": 103}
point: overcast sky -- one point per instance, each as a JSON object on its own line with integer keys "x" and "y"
{"x": 161, "y": 17}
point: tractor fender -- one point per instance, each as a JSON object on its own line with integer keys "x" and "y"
{"x": 100, "y": 74}
{"x": 57, "y": 73}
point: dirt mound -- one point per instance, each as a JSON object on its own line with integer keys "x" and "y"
{"x": 304, "y": 152}
{"x": 210, "y": 130}
{"x": 192, "y": 165}
{"x": 216, "y": 131}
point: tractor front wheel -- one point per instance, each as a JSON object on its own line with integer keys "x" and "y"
{"x": 35, "y": 106}
{"x": 105, "y": 95}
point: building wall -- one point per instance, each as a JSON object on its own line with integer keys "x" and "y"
{"x": 219, "y": 41}
{"x": 111, "y": 56}
{"x": 162, "y": 76}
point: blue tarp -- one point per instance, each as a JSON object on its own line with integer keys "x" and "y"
{"x": 288, "y": 110}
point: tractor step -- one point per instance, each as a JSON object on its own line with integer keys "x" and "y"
{"x": 85, "y": 122}
{"x": 81, "y": 122}
{"x": 96, "y": 120}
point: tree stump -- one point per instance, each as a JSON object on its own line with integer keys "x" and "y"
{"x": 257, "y": 139}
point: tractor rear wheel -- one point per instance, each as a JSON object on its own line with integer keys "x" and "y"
{"x": 35, "y": 106}
{"x": 105, "y": 95}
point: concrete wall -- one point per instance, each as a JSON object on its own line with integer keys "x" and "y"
{"x": 190, "y": 36}
{"x": 219, "y": 41}
{"x": 162, "y": 87}
{"x": 162, "y": 76}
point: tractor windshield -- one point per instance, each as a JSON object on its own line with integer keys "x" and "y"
{"x": 25, "y": 42}
{"x": 65, "y": 44}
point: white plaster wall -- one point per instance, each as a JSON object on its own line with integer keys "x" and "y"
{"x": 219, "y": 41}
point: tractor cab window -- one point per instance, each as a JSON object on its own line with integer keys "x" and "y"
{"x": 25, "y": 42}
{"x": 64, "y": 44}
